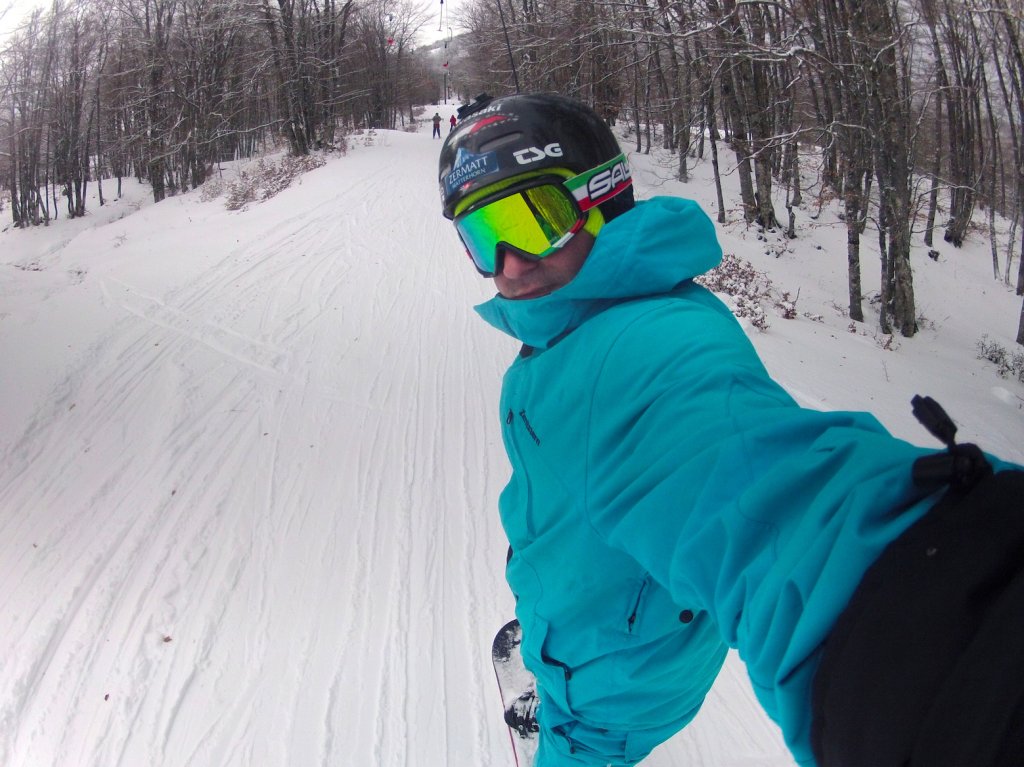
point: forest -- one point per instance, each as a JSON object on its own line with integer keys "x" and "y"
{"x": 906, "y": 113}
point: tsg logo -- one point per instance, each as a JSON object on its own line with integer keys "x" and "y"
{"x": 526, "y": 156}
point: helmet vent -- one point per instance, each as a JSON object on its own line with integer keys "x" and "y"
{"x": 500, "y": 141}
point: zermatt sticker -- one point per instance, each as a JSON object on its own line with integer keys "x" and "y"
{"x": 469, "y": 166}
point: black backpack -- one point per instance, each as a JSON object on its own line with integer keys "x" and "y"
{"x": 925, "y": 666}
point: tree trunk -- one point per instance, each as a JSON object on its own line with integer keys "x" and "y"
{"x": 964, "y": 134}
{"x": 875, "y": 24}
{"x": 1020, "y": 267}
{"x": 885, "y": 302}
{"x": 933, "y": 195}
{"x": 1020, "y": 325}
{"x": 852, "y": 205}
{"x": 713, "y": 134}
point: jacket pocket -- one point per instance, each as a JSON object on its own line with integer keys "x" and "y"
{"x": 636, "y": 605}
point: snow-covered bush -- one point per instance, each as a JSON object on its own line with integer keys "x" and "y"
{"x": 278, "y": 176}
{"x": 884, "y": 341}
{"x": 747, "y": 287}
{"x": 212, "y": 188}
{"x": 241, "y": 191}
{"x": 268, "y": 179}
{"x": 1008, "y": 365}
{"x": 787, "y": 305}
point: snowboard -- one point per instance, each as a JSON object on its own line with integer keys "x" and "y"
{"x": 518, "y": 693}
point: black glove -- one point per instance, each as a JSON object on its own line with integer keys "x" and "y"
{"x": 521, "y": 716}
{"x": 924, "y": 667}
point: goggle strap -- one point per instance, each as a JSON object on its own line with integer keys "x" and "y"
{"x": 579, "y": 185}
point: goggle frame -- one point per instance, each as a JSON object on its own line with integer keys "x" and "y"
{"x": 489, "y": 263}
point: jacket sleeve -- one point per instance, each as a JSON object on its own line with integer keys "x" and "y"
{"x": 737, "y": 500}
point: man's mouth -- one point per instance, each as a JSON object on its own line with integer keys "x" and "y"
{"x": 534, "y": 293}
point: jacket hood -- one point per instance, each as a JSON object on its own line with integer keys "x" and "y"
{"x": 649, "y": 250}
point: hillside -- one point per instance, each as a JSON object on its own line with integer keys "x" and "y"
{"x": 250, "y": 460}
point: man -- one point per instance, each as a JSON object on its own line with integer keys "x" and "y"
{"x": 668, "y": 500}
{"x": 437, "y": 125}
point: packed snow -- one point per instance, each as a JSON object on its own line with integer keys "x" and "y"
{"x": 250, "y": 461}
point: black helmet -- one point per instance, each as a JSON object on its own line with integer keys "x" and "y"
{"x": 500, "y": 138}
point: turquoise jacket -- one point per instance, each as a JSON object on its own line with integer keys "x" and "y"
{"x": 669, "y": 500}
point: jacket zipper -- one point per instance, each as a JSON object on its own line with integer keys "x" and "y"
{"x": 636, "y": 605}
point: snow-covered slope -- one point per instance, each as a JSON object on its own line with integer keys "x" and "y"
{"x": 249, "y": 466}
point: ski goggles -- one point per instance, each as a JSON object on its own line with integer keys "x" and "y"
{"x": 533, "y": 219}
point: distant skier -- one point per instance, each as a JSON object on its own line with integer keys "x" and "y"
{"x": 669, "y": 500}
{"x": 437, "y": 125}
{"x": 453, "y": 121}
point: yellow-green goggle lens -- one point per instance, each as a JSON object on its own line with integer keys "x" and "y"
{"x": 535, "y": 221}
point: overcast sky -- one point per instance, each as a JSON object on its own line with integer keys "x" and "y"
{"x": 13, "y": 12}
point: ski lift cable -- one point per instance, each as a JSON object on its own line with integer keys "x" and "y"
{"x": 508, "y": 46}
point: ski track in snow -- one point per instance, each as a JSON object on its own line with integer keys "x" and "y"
{"x": 255, "y": 523}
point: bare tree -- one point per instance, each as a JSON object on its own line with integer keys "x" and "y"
{"x": 27, "y": 68}
{"x": 385, "y": 32}
{"x": 842, "y": 104}
{"x": 73, "y": 110}
{"x": 878, "y": 39}
{"x": 963, "y": 115}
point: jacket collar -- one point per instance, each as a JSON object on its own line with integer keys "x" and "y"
{"x": 646, "y": 251}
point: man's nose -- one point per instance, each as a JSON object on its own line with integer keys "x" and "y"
{"x": 514, "y": 266}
